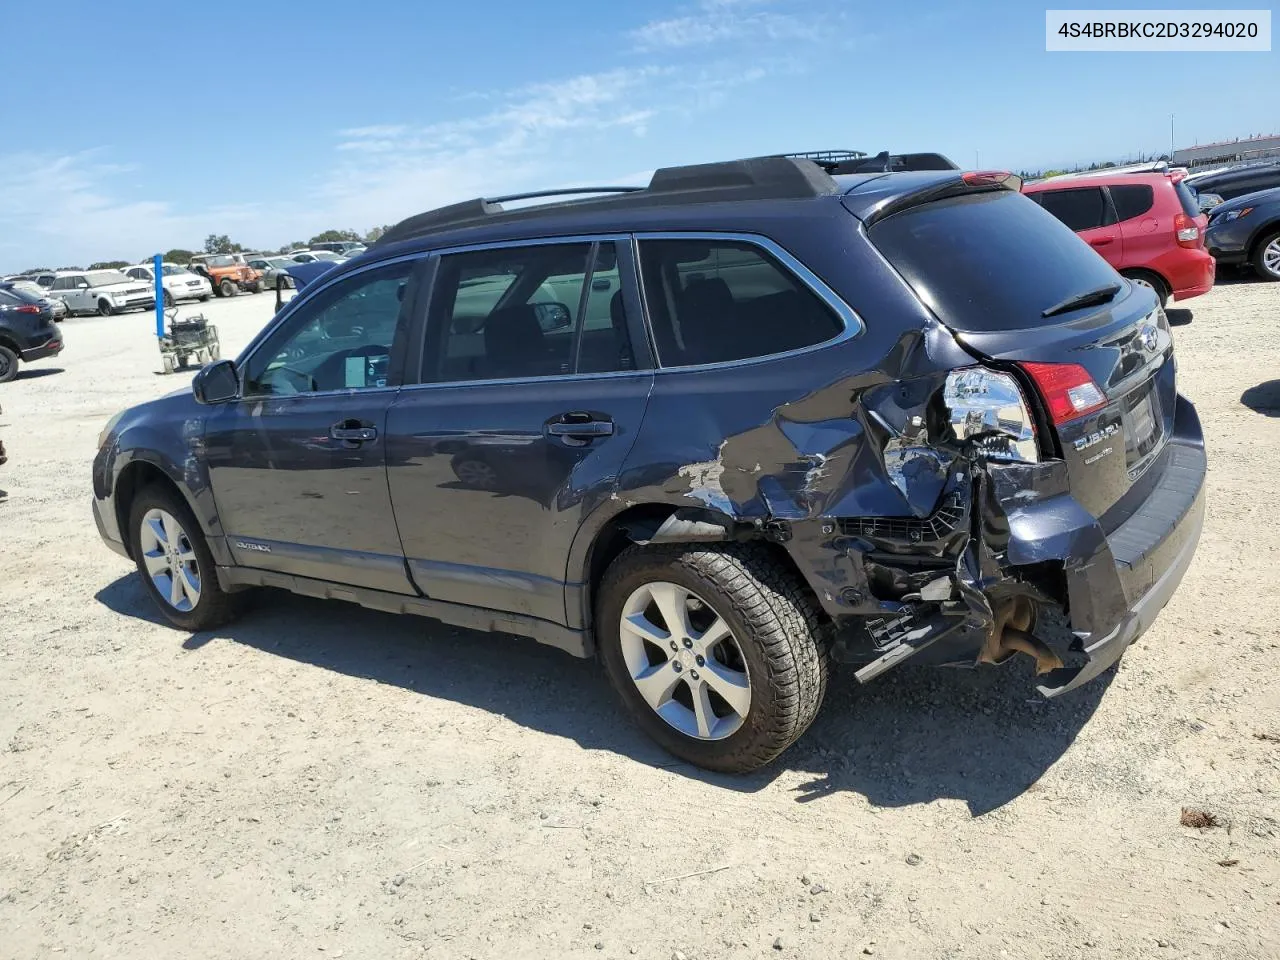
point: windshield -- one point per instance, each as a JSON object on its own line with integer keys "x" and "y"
{"x": 104, "y": 278}
{"x": 989, "y": 261}
{"x": 222, "y": 260}
{"x": 173, "y": 270}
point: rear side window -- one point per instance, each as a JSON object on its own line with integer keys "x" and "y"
{"x": 1187, "y": 197}
{"x": 1080, "y": 209}
{"x": 713, "y": 301}
{"x": 1132, "y": 200}
{"x": 989, "y": 261}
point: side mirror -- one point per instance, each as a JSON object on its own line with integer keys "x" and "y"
{"x": 82, "y": 285}
{"x": 216, "y": 383}
{"x": 552, "y": 316}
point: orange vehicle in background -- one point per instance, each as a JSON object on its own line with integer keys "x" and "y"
{"x": 228, "y": 272}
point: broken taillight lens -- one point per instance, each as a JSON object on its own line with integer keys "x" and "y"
{"x": 1068, "y": 390}
{"x": 987, "y": 409}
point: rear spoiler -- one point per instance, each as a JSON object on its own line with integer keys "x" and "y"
{"x": 837, "y": 162}
{"x": 939, "y": 188}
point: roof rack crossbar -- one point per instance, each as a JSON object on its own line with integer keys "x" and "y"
{"x": 567, "y": 192}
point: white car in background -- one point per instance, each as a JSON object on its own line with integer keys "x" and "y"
{"x": 311, "y": 256}
{"x": 100, "y": 291}
{"x": 179, "y": 282}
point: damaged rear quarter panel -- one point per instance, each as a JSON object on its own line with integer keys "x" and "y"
{"x": 786, "y": 440}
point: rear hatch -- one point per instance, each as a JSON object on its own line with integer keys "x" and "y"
{"x": 1021, "y": 292}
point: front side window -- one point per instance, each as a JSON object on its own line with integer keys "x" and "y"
{"x": 521, "y": 312}
{"x": 341, "y": 339}
{"x": 713, "y": 301}
{"x": 1081, "y": 209}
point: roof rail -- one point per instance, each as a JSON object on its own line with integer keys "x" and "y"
{"x": 756, "y": 178}
{"x": 567, "y": 192}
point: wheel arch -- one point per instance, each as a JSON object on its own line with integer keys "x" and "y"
{"x": 1260, "y": 235}
{"x": 8, "y": 341}
{"x": 134, "y": 477}
{"x": 603, "y": 538}
{"x": 1148, "y": 272}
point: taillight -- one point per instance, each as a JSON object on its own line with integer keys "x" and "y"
{"x": 27, "y": 308}
{"x": 987, "y": 408}
{"x": 1067, "y": 388}
{"x": 1187, "y": 231}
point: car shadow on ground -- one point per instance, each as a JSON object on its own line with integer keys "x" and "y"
{"x": 914, "y": 736}
{"x": 1178, "y": 317}
{"x": 1263, "y": 398}
{"x": 35, "y": 373}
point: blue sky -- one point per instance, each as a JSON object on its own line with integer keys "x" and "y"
{"x": 177, "y": 120}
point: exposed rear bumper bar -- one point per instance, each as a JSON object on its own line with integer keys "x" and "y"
{"x": 1105, "y": 652}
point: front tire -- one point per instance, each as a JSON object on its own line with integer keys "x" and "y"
{"x": 168, "y": 299}
{"x": 1266, "y": 259}
{"x": 227, "y": 289}
{"x": 205, "y": 298}
{"x": 175, "y": 564}
{"x": 717, "y": 652}
{"x": 105, "y": 308}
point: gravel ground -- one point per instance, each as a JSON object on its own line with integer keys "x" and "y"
{"x": 322, "y": 780}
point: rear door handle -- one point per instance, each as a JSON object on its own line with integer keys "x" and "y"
{"x": 352, "y": 431}
{"x": 580, "y": 426}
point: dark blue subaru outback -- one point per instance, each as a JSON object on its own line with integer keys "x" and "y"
{"x": 714, "y": 431}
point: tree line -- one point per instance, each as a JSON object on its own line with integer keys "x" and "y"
{"x": 222, "y": 243}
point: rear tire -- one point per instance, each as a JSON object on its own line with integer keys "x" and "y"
{"x": 776, "y": 645}
{"x": 1148, "y": 279}
{"x": 164, "y": 538}
{"x": 1266, "y": 258}
{"x": 8, "y": 364}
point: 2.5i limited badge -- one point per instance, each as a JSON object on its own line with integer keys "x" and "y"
{"x": 247, "y": 545}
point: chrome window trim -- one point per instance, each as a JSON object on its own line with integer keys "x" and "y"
{"x": 849, "y": 318}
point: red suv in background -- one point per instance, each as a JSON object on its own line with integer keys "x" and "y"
{"x": 1147, "y": 225}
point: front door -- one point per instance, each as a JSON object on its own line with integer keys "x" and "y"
{"x": 298, "y": 463}
{"x": 532, "y": 395}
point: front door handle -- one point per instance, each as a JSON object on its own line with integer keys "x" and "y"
{"x": 352, "y": 431}
{"x": 1101, "y": 241}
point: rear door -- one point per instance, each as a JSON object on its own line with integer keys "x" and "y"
{"x": 1088, "y": 211}
{"x": 1139, "y": 219}
{"x": 534, "y": 382}
{"x": 991, "y": 265}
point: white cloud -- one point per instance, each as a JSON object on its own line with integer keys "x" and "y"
{"x": 57, "y": 210}
{"x": 721, "y": 21}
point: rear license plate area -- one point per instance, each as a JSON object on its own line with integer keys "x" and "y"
{"x": 1143, "y": 427}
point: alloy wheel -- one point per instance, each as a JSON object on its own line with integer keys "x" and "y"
{"x": 1271, "y": 258}
{"x": 477, "y": 474}
{"x": 685, "y": 661}
{"x": 170, "y": 560}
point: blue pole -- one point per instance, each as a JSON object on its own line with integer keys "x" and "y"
{"x": 157, "y": 267}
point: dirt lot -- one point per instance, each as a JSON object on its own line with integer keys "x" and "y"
{"x": 323, "y": 781}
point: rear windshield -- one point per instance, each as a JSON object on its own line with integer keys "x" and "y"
{"x": 989, "y": 261}
{"x": 1190, "y": 205}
